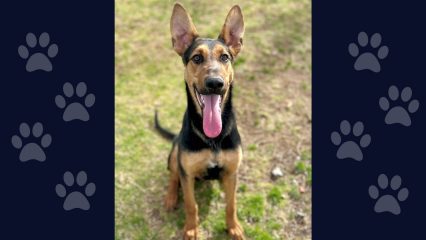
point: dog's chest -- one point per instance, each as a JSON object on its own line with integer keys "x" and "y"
{"x": 211, "y": 165}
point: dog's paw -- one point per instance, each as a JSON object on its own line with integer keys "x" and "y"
{"x": 236, "y": 232}
{"x": 190, "y": 234}
{"x": 170, "y": 202}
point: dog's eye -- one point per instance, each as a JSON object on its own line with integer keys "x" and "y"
{"x": 224, "y": 58}
{"x": 197, "y": 59}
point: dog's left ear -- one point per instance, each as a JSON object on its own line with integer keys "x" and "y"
{"x": 233, "y": 30}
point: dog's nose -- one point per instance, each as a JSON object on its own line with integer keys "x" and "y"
{"x": 214, "y": 83}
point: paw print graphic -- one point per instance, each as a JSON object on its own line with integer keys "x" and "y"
{"x": 368, "y": 60}
{"x": 350, "y": 149}
{"x": 34, "y": 149}
{"x": 75, "y": 110}
{"x": 399, "y": 114}
{"x": 36, "y": 56}
{"x": 76, "y": 199}
{"x": 388, "y": 202}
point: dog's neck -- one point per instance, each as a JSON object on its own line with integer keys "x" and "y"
{"x": 229, "y": 128}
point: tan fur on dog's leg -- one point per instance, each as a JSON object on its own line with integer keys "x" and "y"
{"x": 191, "y": 209}
{"x": 235, "y": 230}
{"x": 172, "y": 191}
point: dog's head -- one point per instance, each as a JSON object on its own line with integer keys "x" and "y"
{"x": 208, "y": 63}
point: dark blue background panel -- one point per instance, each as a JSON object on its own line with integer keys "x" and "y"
{"x": 343, "y": 207}
{"x": 83, "y": 32}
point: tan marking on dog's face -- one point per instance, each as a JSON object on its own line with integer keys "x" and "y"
{"x": 226, "y": 71}
{"x": 213, "y": 65}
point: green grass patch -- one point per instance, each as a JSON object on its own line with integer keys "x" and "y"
{"x": 275, "y": 195}
{"x": 252, "y": 208}
{"x": 273, "y": 225}
{"x": 252, "y": 147}
{"x": 242, "y": 188}
{"x": 239, "y": 61}
{"x": 294, "y": 193}
{"x": 258, "y": 233}
{"x": 306, "y": 155}
{"x": 300, "y": 167}
{"x": 309, "y": 178}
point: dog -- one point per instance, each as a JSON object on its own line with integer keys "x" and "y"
{"x": 208, "y": 145}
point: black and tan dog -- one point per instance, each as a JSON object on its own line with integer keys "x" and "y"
{"x": 208, "y": 145}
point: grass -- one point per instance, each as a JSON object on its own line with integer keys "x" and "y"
{"x": 275, "y": 196}
{"x": 273, "y": 107}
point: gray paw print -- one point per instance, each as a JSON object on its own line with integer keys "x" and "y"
{"x": 350, "y": 149}
{"x": 75, "y": 110}
{"x": 76, "y": 199}
{"x": 388, "y": 203}
{"x": 368, "y": 60}
{"x": 31, "y": 150}
{"x": 399, "y": 114}
{"x": 38, "y": 60}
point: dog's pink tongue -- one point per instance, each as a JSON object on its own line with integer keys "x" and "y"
{"x": 212, "y": 121}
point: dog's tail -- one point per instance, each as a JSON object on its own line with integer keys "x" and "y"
{"x": 163, "y": 132}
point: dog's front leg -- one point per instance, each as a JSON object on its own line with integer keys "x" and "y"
{"x": 191, "y": 209}
{"x": 229, "y": 182}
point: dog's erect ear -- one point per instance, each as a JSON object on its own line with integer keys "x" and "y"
{"x": 233, "y": 30}
{"x": 182, "y": 29}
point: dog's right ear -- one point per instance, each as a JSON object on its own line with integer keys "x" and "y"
{"x": 182, "y": 29}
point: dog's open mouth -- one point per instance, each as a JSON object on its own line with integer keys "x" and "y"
{"x": 212, "y": 120}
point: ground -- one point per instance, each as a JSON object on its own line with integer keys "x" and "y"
{"x": 273, "y": 104}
